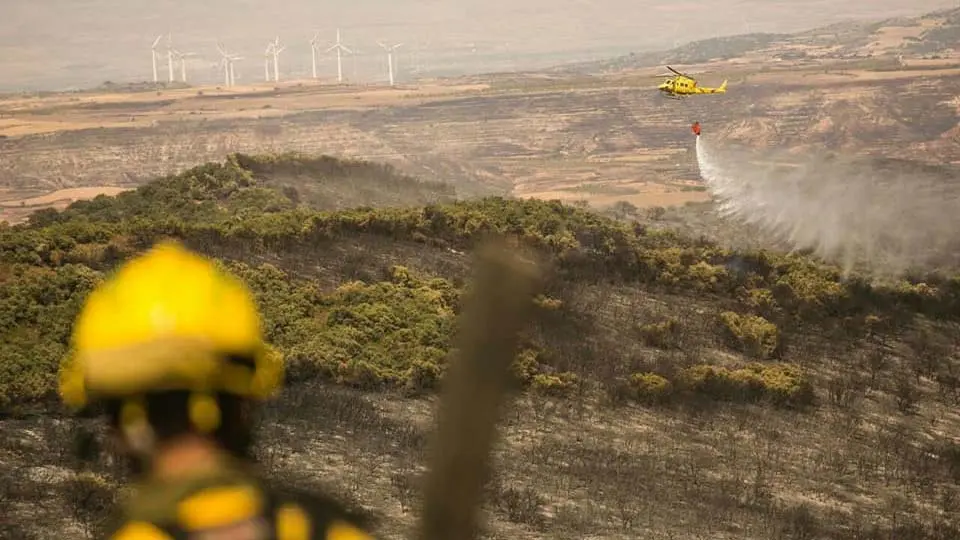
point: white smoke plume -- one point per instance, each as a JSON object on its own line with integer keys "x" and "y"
{"x": 856, "y": 213}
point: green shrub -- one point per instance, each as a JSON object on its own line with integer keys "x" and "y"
{"x": 714, "y": 382}
{"x": 662, "y": 335}
{"x": 786, "y": 384}
{"x": 650, "y": 388}
{"x": 705, "y": 276}
{"x": 525, "y": 366}
{"x": 547, "y": 303}
{"x": 747, "y": 385}
{"x": 781, "y": 384}
{"x": 393, "y": 333}
{"x": 762, "y": 299}
{"x": 555, "y": 384}
{"x": 809, "y": 288}
{"x": 751, "y": 334}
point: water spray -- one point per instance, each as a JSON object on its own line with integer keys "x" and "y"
{"x": 851, "y": 212}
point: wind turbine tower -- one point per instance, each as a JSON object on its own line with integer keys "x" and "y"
{"x": 233, "y": 75}
{"x": 390, "y": 50}
{"x": 266, "y": 61}
{"x": 340, "y": 47}
{"x": 153, "y": 51}
{"x": 314, "y": 45}
{"x": 169, "y": 58}
{"x": 227, "y": 61}
{"x": 182, "y": 59}
{"x": 277, "y": 49}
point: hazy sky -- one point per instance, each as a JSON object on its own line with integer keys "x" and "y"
{"x": 53, "y": 44}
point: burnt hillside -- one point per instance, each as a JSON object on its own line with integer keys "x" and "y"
{"x": 670, "y": 387}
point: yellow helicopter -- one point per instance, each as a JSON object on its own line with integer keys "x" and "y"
{"x": 681, "y": 85}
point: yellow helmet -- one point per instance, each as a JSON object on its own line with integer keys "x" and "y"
{"x": 169, "y": 320}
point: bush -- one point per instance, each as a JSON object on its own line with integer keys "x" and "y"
{"x": 786, "y": 384}
{"x": 714, "y": 382}
{"x": 751, "y": 334}
{"x": 650, "y": 388}
{"x": 547, "y": 303}
{"x": 662, "y": 335}
{"x": 783, "y": 385}
{"x": 525, "y": 366}
{"x": 705, "y": 276}
{"x": 394, "y": 333}
{"x": 557, "y": 385}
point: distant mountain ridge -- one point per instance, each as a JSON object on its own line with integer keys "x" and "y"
{"x": 931, "y": 34}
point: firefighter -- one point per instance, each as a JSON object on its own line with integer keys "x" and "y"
{"x": 170, "y": 350}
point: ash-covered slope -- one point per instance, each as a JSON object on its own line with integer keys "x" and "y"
{"x": 747, "y": 393}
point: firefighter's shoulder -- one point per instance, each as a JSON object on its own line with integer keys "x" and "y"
{"x": 294, "y": 522}
{"x": 310, "y": 515}
{"x": 139, "y": 530}
{"x": 293, "y": 514}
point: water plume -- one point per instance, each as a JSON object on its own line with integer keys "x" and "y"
{"x": 884, "y": 216}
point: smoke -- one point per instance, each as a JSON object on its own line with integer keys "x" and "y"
{"x": 880, "y": 216}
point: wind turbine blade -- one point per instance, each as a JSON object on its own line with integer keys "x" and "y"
{"x": 156, "y": 41}
{"x": 331, "y": 48}
{"x": 346, "y": 49}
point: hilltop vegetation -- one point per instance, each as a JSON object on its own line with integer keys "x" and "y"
{"x": 635, "y": 323}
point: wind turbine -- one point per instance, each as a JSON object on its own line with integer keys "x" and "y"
{"x": 676, "y": 33}
{"x": 169, "y": 58}
{"x": 314, "y": 45}
{"x": 182, "y": 58}
{"x": 390, "y": 50}
{"x": 153, "y": 51}
{"x": 340, "y": 47}
{"x": 417, "y": 58}
{"x": 353, "y": 64}
{"x": 227, "y": 61}
{"x": 233, "y": 75}
{"x": 266, "y": 61}
{"x": 277, "y": 49}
